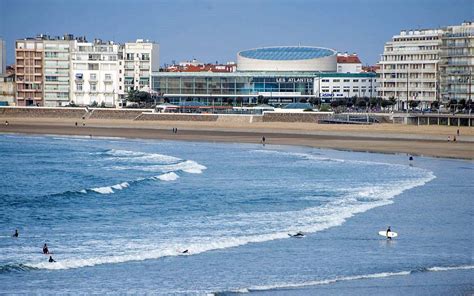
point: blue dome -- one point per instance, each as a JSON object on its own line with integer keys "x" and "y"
{"x": 286, "y": 53}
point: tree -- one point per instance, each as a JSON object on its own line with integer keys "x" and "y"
{"x": 414, "y": 104}
{"x": 260, "y": 99}
{"x": 139, "y": 96}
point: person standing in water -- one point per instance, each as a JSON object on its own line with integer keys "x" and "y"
{"x": 51, "y": 259}
{"x": 16, "y": 234}
{"x": 45, "y": 249}
{"x": 388, "y": 230}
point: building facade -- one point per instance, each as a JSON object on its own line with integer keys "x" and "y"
{"x": 348, "y": 63}
{"x": 137, "y": 61}
{"x": 29, "y": 72}
{"x": 95, "y": 73}
{"x": 457, "y": 63}
{"x": 409, "y": 68}
{"x": 7, "y": 87}
{"x": 57, "y": 71}
{"x": 3, "y": 57}
{"x": 278, "y": 87}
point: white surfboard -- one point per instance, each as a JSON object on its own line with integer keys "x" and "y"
{"x": 390, "y": 233}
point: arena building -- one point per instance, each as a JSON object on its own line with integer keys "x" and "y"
{"x": 287, "y": 58}
{"x": 282, "y": 75}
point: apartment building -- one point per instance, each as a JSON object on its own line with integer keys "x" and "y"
{"x": 57, "y": 71}
{"x": 138, "y": 60}
{"x": 29, "y": 72}
{"x": 95, "y": 73}
{"x": 409, "y": 68}
{"x": 457, "y": 62}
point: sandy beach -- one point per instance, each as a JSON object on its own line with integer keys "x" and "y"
{"x": 384, "y": 138}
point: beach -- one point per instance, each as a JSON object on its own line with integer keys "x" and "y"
{"x": 382, "y": 138}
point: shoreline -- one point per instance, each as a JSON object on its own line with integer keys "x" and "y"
{"x": 382, "y": 138}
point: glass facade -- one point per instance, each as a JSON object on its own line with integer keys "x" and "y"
{"x": 230, "y": 86}
{"x": 277, "y": 87}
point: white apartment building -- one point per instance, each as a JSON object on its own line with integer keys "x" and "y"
{"x": 138, "y": 60}
{"x": 409, "y": 68}
{"x": 346, "y": 85}
{"x": 56, "y": 79}
{"x": 457, "y": 63}
{"x": 95, "y": 73}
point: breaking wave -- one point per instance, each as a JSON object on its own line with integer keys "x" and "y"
{"x": 343, "y": 279}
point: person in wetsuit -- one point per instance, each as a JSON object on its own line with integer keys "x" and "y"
{"x": 45, "y": 249}
{"x": 388, "y": 230}
{"x": 51, "y": 259}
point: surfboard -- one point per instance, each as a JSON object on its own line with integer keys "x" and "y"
{"x": 390, "y": 233}
{"x": 296, "y": 236}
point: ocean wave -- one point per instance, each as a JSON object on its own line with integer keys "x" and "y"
{"x": 167, "y": 177}
{"x": 277, "y": 286}
{"x": 15, "y": 268}
{"x": 136, "y": 156}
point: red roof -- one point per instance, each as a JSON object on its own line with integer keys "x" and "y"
{"x": 352, "y": 59}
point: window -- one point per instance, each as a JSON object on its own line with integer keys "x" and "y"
{"x": 93, "y": 76}
{"x": 336, "y": 80}
{"x": 79, "y": 87}
{"x": 120, "y": 79}
{"x": 93, "y": 87}
{"x": 325, "y": 80}
{"x": 108, "y": 77}
{"x": 347, "y": 80}
{"x": 355, "y": 80}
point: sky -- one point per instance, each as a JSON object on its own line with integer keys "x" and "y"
{"x": 215, "y": 30}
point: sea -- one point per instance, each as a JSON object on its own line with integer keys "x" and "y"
{"x": 201, "y": 218}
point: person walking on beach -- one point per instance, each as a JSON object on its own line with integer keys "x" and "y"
{"x": 16, "y": 234}
{"x": 51, "y": 260}
{"x": 6, "y": 122}
{"x": 263, "y": 140}
{"x": 45, "y": 249}
{"x": 457, "y": 132}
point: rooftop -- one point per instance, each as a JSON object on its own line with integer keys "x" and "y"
{"x": 286, "y": 53}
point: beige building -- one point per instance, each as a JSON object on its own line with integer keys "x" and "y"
{"x": 409, "y": 68}
{"x": 457, "y": 63}
{"x": 29, "y": 72}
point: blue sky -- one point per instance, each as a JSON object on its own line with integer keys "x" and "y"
{"x": 214, "y": 30}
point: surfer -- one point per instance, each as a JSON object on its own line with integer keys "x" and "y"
{"x": 185, "y": 251}
{"x": 45, "y": 249}
{"x": 16, "y": 234}
{"x": 411, "y": 158}
{"x": 51, "y": 259}
{"x": 388, "y": 230}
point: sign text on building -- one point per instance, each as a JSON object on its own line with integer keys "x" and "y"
{"x": 294, "y": 79}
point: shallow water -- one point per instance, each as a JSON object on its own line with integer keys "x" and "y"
{"x": 117, "y": 214}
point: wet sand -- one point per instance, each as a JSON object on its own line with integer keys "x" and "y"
{"x": 384, "y": 138}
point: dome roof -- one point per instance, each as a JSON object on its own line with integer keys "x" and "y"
{"x": 287, "y": 53}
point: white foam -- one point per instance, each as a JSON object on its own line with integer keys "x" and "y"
{"x": 103, "y": 190}
{"x": 168, "y": 177}
{"x": 325, "y": 281}
{"x": 448, "y": 268}
{"x": 142, "y": 156}
{"x": 110, "y": 189}
{"x": 346, "y": 278}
